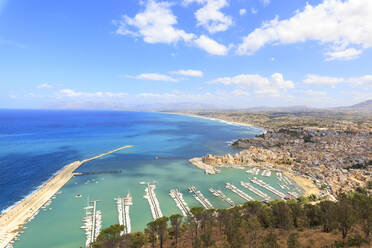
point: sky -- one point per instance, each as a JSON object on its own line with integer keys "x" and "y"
{"x": 118, "y": 54}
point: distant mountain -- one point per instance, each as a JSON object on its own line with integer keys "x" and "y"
{"x": 365, "y": 106}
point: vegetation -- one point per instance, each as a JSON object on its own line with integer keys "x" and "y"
{"x": 293, "y": 223}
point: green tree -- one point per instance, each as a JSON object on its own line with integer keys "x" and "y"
{"x": 151, "y": 232}
{"x": 137, "y": 239}
{"x": 328, "y": 216}
{"x": 270, "y": 241}
{"x": 282, "y": 215}
{"x": 345, "y": 214}
{"x": 108, "y": 236}
{"x": 362, "y": 203}
{"x": 161, "y": 229}
{"x": 176, "y": 221}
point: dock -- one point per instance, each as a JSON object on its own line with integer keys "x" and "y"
{"x": 12, "y": 221}
{"x": 239, "y": 192}
{"x": 123, "y": 205}
{"x": 92, "y": 223}
{"x": 222, "y": 196}
{"x": 256, "y": 191}
{"x": 268, "y": 187}
{"x": 200, "y": 198}
{"x": 152, "y": 199}
{"x": 180, "y": 202}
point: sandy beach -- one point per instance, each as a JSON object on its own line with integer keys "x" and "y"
{"x": 305, "y": 183}
{"x": 215, "y": 119}
{"x": 11, "y": 222}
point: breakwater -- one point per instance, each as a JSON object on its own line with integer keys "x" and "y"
{"x": 11, "y": 222}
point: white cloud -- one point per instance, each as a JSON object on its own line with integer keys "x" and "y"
{"x": 322, "y": 80}
{"x": 99, "y": 94}
{"x": 242, "y": 12}
{"x": 315, "y": 93}
{"x": 363, "y": 81}
{"x": 254, "y": 11}
{"x": 240, "y": 93}
{"x": 189, "y": 73}
{"x": 155, "y": 24}
{"x": 347, "y": 54}
{"x": 45, "y": 86}
{"x": 210, "y": 15}
{"x": 273, "y": 86}
{"x": 334, "y": 22}
{"x": 211, "y": 46}
{"x": 154, "y": 77}
{"x": 265, "y": 2}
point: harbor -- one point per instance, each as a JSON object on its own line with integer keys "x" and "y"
{"x": 92, "y": 223}
{"x": 150, "y": 196}
{"x": 256, "y": 191}
{"x": 239, "y": 192}
{"x": 222, "y": 196}
{"x": 200, "y": 198}
{"x": 268, "y": 187}
{"x": 123, "y": 205}
{"x": 180, "y": 202}
{"x": 11, "y": 222}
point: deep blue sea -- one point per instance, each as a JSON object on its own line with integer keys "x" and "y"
{"x": 35, "y": 144}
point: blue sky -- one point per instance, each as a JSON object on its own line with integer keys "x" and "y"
{"x": 238, "y": 54}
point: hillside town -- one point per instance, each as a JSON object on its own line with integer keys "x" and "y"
{"x": 334, "y": 160}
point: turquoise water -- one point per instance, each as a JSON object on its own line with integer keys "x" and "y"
{"x": 176, "y": 138}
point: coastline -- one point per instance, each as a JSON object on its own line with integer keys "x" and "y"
{"x": 12, "y": 221}
{"x": 234, "y": 123}
{"x": 306, "y": 184}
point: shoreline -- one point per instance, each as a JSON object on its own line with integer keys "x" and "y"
{"x": 12, "y": 221}
{"x": 234, "y": 123}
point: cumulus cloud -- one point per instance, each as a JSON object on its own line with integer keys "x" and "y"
{"x": 211, "y": 46}
{"x": 337, "y": 23}
{"x": 254, "y": 11}
{"x": 242, "y": 12}
{"x": 45, "y": 86}
{"x": 99, "y": 94}
{"x": 188, "y": 73}
{"x": 154, "y": 77}
{"x": 210, "y": 15}
{"x": 347, "y": 54}
{"x": 155, "y": 24}
{"x": 265, "y": 2}
{"x": 322, "y": 80}
{"x": 363, "y": 81}
{"x": 273, "y": 86}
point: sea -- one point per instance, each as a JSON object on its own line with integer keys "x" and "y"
{"x": 36, "y": 144}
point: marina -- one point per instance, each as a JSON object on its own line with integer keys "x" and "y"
{"x": 268, "y": 187}
{"x": 222, "y": 196}
{"x": 256, "y": 191}
{"x": 253, "y": 171}
{"x": 123, "y": 205}
{"x": 266, "y": 173}
{"x": 200, "y": 198}
{"x": 92, "y": 223}
{"x": 180, "y": 202}
{"x": 239, "y": 192}
{"x": 150, "y": 196}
